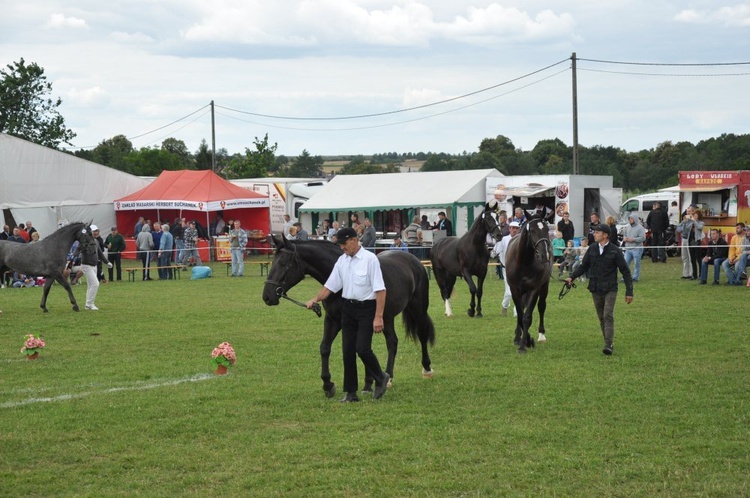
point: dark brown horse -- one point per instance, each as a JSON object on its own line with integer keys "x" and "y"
{"x": 528, "y": 266}
{"x": 465, "y": 257}
{"x": 407, "y": 292}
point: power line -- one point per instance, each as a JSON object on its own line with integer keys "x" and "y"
{"x": 666, "y": 63}
{"x": 369, "y": 127}
{"x": 423, "y": 106}
{"x": 663, "y": 74}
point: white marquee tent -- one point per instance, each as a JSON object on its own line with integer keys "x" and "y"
{"x": 456, "y": 192}
{"x": 44, "y": 186}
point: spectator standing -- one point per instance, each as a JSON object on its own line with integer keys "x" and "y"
{"x": 138, "y": 227}
{"x": 602, "y": 263}
{"x": 369, "y": 235}
{"x": 399, "y": 244}
{"x": 145, "y": 244}
{"x": 633, "y": 236}
{"x": 658, "y": 222}
{"x": 5, "y": 234}
{"x": 358, "y": 276}
{"x": 301, "y": 232}
{"x": 178, "y": 229}
{"x": 558, "y": 247}
{"x": 287, "y": 225}
{"x": 613, "y": 235}
{"x": 424, "y": 224}
{"x": 566, "y": 228}
{"x": 673, "y": 213}
{"x": 16, "y": 237}
{"x": 166, "y": 247}
{"x": 518, "y": 216}
{"x": 98, "y": 238}
{"x": 413, "y": 236}
{"x": 593, "y": 221}
{"x": 30, "y": 228}
{"x": 332, "y": 231}
{"x": 23, "y": 233}
{"x": 741, "y": 265}
{"x": 115, "y": 244}
{"x": 156, "y": 234}
{"x": 501, "y": 248}
{"x": 191, "y": 246}
{"x": 444, "y": 223}
{"x": 238, "y": 242}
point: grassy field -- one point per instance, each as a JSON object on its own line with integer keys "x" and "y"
{"x": 122, "y": 401}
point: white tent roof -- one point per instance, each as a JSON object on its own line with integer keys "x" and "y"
{"x": 402, "y": 190}
{"x": 44, "y": 185}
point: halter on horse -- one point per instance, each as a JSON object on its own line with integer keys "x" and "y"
{"x": 528, "y": 266}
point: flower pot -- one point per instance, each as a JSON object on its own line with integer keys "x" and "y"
{"x": 32, "y": 356}
{"x": 221, "y": 370}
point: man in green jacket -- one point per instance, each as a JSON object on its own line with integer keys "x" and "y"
{"x": 115, "y": 245}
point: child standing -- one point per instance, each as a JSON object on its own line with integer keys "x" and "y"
{"x": 558, "y": 246}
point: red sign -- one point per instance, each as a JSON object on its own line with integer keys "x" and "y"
{"x": 719, "y": 179}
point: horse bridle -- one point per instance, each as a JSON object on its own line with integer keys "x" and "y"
{"x": 280, "y": 292}
{"x": 496, "y": 227}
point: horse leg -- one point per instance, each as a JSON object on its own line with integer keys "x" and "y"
{"x": 66, "y": 285}
{"x": 473, "y": 290}
{"x": 330, "y": 331}
{"x": 480, "y": 287}
{"x": 528, "y": 315}
{"x": 391, "y": 342}
{"x": 450, "y": 281}
{"x": 518, "y": 303}
{"x": 542, "y": 307}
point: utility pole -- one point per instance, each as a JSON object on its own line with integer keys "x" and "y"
{"x": 575, "y": 116}
{"x": 213, "y": 139}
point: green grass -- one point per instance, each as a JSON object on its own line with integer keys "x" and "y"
{"x": 122, "y": 401}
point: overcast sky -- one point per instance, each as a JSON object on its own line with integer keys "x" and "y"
{"x": 132, "y": 67}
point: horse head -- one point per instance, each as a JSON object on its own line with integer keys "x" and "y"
{"x": 491, "y": 222}
{"x": 287, "y": 270}
{"x": 536, "y": 234}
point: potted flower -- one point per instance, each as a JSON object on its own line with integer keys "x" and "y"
{"x": 222, "y": 358}
{"x": 32, "y": 345}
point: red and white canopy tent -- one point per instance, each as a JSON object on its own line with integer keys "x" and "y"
{"x": 193, "y": 195}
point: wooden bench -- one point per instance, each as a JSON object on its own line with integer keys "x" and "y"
{"x": 176, "y": 271}
{"x": 263, "y": 265}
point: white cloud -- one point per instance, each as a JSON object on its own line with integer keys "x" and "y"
{"x": 57, "y": 21}
{"x": 88, "y": 97}
{"x": 421, "y": 96}
{"x": 127, "y": 38}
{"x": 736, "y": 16}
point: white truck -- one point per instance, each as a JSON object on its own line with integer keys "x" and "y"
{"x": 580, "y": 195}
{"x": 286, "y": 195}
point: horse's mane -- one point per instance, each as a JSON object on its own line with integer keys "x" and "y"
{"x": 67, "y": 229}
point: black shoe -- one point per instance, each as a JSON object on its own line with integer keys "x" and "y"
{"x": 716, "y": 282}
{"x": 702, "y": 282}
{"x": 350, "y": 398}
{"x": 380, "y": 387}
{"x": 686, "y": 278}
{"x": 607, "y": 350}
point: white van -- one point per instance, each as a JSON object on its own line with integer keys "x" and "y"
{"x": 641, "y": 205}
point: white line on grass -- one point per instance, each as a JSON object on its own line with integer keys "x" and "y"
{"x": 139, "y": 387}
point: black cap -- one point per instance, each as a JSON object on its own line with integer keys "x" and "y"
{"x": 345, "y": 234}
{"x": 601, "y": 227}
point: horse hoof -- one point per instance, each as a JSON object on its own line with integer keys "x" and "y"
{"x": 390, "y": 383}
{"x": 542, "y": 338}
{"x": 427, "y": 374}
{"x": 516, "y": 342}
{"x": 330, "y": 393}
{"x": 470, "y": 312}
{"x": 521, "y": 351}
{"x": 479, "y": 315}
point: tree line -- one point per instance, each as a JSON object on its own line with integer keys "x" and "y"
{"x": 27, "y": 111}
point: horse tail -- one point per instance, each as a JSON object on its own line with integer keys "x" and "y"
{"x": 415, "y": 316}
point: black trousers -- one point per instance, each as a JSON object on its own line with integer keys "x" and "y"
{"x": 116, "y": 259}
{"x": 657, "y": 239}
{"x": 356, "y": 340}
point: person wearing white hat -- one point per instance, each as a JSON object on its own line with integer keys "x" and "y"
{"x": 91, "y": 253}
{"x": 499, "y": 251}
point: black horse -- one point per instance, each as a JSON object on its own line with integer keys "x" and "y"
{"x": 528, "y": 266}
{"x": 407, "y": 292}
{"x": 46, "y": 258}
{"x": 466, "y": 256}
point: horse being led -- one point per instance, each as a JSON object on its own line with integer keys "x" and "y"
{"x": 46, "y": 258}
{"x": 528, "y": 266}
{"x": 407, "y": 292}
{"x": 465, "y": 257}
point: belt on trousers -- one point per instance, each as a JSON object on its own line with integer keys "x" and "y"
{"x": 355, "y": 301}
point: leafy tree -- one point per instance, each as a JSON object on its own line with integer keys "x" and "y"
{"x": 203, "y": 158}
{"x": 358, "y": 166}
{"x": 304, "y": 166}
{"x": 26, "y": 111}
{"x": 256, "y": 163}
{"x": 112, "y": 152}
{"x": 499, "y": 146}
{"x": 152, "y": 161}
{"x": 179, "y": 149}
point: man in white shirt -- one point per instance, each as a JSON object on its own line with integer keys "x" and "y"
{"x": 500, "y": 249}
{"x": 358, "y": 276}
